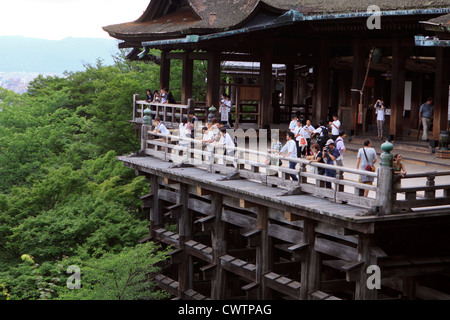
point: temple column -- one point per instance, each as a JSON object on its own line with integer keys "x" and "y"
{"x": 187, "y": 78}
{"x": 416, "y": 100}
{"x": 441, "y": 91}
{"x": 323, "y": 84}
{"x": 213, "y": 84}
{"x": 357, "y": 82}
{"x": 164, "y": 76}
{"x": 265, "y": 80}
{"x": 397, "y": 91}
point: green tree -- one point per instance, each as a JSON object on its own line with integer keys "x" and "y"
{"x": 127, "y": 275}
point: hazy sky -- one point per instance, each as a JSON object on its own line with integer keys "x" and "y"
{"x": 58, "y": 19}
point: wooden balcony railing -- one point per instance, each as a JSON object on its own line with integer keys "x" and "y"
{"x": 170, "y": 114}
{"x": 262, "y": 167}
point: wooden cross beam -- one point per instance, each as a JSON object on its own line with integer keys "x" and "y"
{"x": 253, "y": 238}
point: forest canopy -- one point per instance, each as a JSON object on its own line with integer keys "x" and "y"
{"x": 64, "y": 197}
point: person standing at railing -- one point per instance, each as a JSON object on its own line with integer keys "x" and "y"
{"x": 227, "y": 143}
{"x": 399, "y": 169}
{"x": 185, "y": 131}
{"x": 275, "y": 148}
{"x": 297, "y": 134}
{"x": 308, "y": 129}
{"x": 335, "y": 127}
{"x": 149, "y": 96}
{"x": 340, "y": 146}
{"x": 331, "y": 154}
{"x": 291, "y": 149}
{"x": 160, "y": 128}
{"x": 156, "y": 97}
{"x": 166, "y": 96}
{"x": 317, "y": 156}
{"x": 293, "y": 123}
{"x": 366, "y": 159}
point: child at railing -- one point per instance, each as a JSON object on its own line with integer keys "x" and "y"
{"x": 160, "y": 128}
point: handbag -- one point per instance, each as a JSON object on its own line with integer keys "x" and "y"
{"x": 368, "y": 167}
{"x": 303, "y": 141}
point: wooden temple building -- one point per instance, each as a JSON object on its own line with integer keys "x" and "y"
{"x": 249, "y": 231}
{"x": 325, "y": 47}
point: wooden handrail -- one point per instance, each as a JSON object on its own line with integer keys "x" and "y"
{"x": 193, "y": 155}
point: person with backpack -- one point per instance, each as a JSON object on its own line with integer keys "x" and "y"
{"x": 321, "y": 134}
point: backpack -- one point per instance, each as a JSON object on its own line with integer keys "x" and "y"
{"x": 323, "y": 137}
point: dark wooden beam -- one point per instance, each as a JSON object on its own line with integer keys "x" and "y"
{"x": 265, "y": 78}
{"x": 323, "y": 84}
{"x": 397, "y": 90}
{"x": 213, "y": 84}
{"x": 416, "y": 99}
{"x": 187, "y": 78}
{"x": 164, "y": 76}
{"x": 440, "y": 121}
{"x": 357, "y": 81}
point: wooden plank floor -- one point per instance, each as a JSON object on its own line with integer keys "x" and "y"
{"x": 305, "y": 205}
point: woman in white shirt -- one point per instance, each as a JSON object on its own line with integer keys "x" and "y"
{"x": 380, "y": 111}
{"x": 366, "y": 156}
{"x": 184, "y": 132}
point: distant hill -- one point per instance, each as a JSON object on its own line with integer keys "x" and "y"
{"x": 40, "y": 55}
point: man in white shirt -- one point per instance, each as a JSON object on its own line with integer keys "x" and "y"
{"x": 160, "y": 128}
{"x": 291, "y": 149}
{"x": 335, "y": 127}
{"x": 293, "y": 123}
{"x": 227, "y": 141}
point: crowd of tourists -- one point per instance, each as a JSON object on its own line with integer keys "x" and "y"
{"x": 322, "y": 144}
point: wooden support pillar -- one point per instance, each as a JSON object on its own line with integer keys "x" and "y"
{"x": 359, "y": 69}
{"x": 323, "y": 84}
{"x": 289, "y": 84}
{"x": 156, "y": 215}
{"x": 213, "y": 84}
{"x": 187, "y": 78}
{"x": 441, "y": 91}
{"x": 185, "y": 270}
{"x": 416, "y": 100}
{"x": 219, "y": 246}
{"x": 265, "y": 80}
{"x": 164, "y": 75}
{"x": 312, "y": 265}
{"x": 397, "y": 90}
{"x": 362, "y": 290}
{"x": 263, "y": 253}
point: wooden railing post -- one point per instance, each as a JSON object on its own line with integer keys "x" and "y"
{"x": 430, "y": 194}
{"x": 385, "y": 192}
{"x": 135, "y": 106}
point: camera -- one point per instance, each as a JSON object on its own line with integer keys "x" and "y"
{"x": 325, "y": 149}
